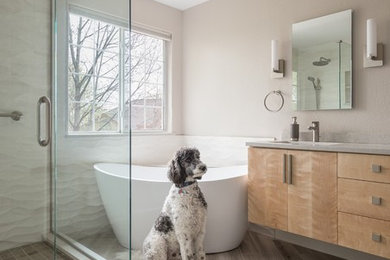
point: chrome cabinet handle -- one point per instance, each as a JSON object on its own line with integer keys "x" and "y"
{"x": 376, "y": 168}
{"x": 376, "y": 200}
{"x": 284, "y": 168}
{"x": 289, "y": 169}
{"x": 44, "y": 101}
{"x": 376, "y": 237}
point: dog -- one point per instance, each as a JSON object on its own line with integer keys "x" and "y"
{"x": 179, "y": 230}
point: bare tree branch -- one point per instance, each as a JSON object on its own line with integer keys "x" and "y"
{"x": 86, "y": 71}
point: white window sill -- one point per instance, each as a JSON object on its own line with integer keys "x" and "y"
{"x": 69, "y": 135}
{"x": 145, "y": 133}
{"x": 133, "y": 133}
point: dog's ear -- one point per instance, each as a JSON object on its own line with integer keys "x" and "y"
{"x": 175, "y": 172}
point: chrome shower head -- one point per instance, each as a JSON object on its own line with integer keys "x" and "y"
{"x": 322, "y": 62}
{"x": 316, "y": 83}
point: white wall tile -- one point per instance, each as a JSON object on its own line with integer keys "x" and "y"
{"x": 25, "y": 50}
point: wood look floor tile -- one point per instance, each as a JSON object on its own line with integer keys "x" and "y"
{"x": 253, "y": 247}
{"x": 35, "y": 251}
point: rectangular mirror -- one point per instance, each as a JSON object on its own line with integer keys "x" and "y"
{"x": 322, "y": 63}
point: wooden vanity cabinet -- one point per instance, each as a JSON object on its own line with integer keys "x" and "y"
{"x": 267, "y": 192}
{"x": 337, "y": 197}
{"x": 364, "y": 202}
{"x": 294, "y": 191}
{"x": 312, "y": 195}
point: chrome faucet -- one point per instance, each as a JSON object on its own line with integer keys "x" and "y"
{"x": 315, "y": 127}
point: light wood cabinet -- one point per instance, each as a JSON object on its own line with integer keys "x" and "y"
{"x": 364, "y": 167}
{"x": 312, "y": 195}
{"x": 267, "y": 192}
{"x": 295, "y": 191}
{"x": 364, "y": 234}
{"x": 364, "y": 198}
{"x": 339, "y": 198}
{"x": 363, "y": 203}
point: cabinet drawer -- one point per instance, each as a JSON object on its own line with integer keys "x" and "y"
{"x": 364, "y": 198}
{"x": 364, "y": 234}
{"x": 364, "y": 167}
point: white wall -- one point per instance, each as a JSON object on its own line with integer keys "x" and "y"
{"x": 25, "y": 56}
{"x": 226, "y": 70}
{"x": 118, "y": 8}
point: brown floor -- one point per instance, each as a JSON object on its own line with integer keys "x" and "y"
{"x": 36, "y": 251}
{"x": 106, "y": 245}
{"x": 254, "y": 247}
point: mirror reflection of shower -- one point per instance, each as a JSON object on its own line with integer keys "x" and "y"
{"x": 316, "y": 83}
{"x": 321, "y": 62}
{"x": 317, "y": 88}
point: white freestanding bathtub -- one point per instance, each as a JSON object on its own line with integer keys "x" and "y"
{"x": 224, "y": 188}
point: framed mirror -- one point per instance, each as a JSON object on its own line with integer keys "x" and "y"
{"x": 322, "y": 63}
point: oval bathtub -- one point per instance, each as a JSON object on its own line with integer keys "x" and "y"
{"x": 225, "y": 190}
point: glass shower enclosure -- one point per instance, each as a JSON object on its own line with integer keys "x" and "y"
{"x": 25, "y": 56}
{"x": 91, "y": 125}
{"x": 64, "y": 88}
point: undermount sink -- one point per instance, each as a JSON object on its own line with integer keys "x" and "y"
{"x": 302, "y": 142}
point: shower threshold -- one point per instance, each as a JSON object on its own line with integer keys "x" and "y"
{"x": 39, "y": 250}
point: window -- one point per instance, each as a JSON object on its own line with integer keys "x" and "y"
{"x": 103, "y": 81}
{"x": 147, "y": 82}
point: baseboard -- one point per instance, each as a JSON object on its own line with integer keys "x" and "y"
{"x": 265, "y": 231}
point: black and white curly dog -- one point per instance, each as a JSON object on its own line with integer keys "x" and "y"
{"x": 179, "y": 230}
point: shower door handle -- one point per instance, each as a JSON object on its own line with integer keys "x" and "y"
{"x": 46, "y": 140}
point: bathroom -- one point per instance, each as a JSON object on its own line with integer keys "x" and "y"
{"x": 226, "y": 79}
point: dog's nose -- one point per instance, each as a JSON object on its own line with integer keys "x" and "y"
{"x": 203, "y": 168}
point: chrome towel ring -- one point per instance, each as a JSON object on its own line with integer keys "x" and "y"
{"x": 274, "y": 92}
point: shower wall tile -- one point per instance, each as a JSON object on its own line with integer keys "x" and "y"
{"x": 24, "y": 77}
{"x": 329, "y": 76}
{"x": 216, "y": 151}
{"x": 80, "y": 211}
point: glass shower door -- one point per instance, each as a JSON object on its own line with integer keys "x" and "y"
{"x": 91, "y": 128}
{"x": 25, "y": 56}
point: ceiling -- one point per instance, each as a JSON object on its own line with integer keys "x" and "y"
{"x": 181, "y": 4}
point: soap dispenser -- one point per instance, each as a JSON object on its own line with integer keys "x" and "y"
{"x": 294, "y": 131}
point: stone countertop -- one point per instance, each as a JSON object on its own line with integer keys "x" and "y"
{"x": 380, "y": 149}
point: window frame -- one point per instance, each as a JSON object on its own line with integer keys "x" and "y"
{"x": 123, "y": 25}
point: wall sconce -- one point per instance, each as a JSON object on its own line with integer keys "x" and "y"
{"x": 373, "y": 53}
{"x": 277, "y": 64}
